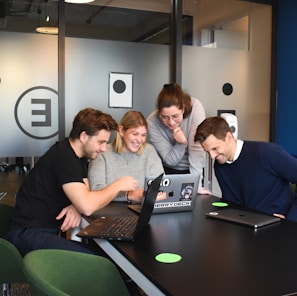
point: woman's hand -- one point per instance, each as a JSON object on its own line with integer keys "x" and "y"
{"x": 205, "y": 191}
{"x": 179, "y": 136}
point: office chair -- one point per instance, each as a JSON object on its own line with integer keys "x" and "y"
{"x": 11, "y": 267}
{"x": 11, "y": 261}
{"x": 60, "y": 272}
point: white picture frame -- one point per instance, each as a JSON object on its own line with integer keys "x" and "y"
{"x": 120, "y": 90}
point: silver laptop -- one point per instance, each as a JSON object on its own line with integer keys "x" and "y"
{"x": 252, "y": 219}
{"x": 179, "y": 189}
{"x": 124, "y": 228}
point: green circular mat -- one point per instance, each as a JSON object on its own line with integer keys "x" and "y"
{"x": 168, "y": 258}
{"x": 219, "y": 204}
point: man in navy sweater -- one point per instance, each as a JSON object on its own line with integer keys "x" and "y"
{"x": 254, "y": 174}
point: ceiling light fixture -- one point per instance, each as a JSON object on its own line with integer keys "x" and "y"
{"x": 45, "y": 22}
{"x": 79, "y": 1}
{"x": 47, "y": 30}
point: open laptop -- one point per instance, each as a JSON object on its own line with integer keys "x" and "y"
{"x": 248, "y": 218}
{"x": 179, "y": 190}
{"x": 124, "y": 228}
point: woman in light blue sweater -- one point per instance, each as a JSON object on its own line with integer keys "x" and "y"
{"x": 127, "y": 155}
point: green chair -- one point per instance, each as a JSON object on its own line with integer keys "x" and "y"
{"x": 11, "y": 261}
{"x": 59, "y": 272}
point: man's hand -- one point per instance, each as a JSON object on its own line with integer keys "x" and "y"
{"x": 135, "y": 195}
{"x": 72, "y": 218}
{"x": 127, "y": 183}
{"x": 280, "y": 216}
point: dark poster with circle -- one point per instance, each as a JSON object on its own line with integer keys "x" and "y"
{"x": 120, "y": 90}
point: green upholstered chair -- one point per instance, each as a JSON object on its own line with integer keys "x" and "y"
{"x": 60, "y": 272}
{"x": 11, "y": 261}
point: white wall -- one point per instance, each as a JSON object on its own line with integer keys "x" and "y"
{"x": 87, "y": 79}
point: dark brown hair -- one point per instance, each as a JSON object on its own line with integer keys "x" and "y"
{"x": 173, "y": 95}
{"x": 216, "y": 126}
{"x": 91, "y": 121}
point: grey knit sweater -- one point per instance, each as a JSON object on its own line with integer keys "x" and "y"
{"x": 110, "y": 165}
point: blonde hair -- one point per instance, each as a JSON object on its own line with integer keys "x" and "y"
{"x": 131, "y": 119}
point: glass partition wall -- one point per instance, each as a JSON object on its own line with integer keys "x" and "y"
{"x": 223, "y": 43}
{"x": 204, "y": 22}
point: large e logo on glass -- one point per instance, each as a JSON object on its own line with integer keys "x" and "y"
{"x": 36, "y": 112}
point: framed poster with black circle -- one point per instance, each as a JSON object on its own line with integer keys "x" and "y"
{"x": 120, "y": 90}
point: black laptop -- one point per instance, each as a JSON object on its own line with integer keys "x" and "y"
{"x": 124, "y": 228}
{"x": 244, "y": 217}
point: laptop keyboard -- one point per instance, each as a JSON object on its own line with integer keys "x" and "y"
{"x": 121, "y": 227}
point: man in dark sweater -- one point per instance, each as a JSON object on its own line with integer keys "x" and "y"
{"x": 254, "y": 174}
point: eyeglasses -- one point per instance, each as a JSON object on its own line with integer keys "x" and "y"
{"x": 174, "y": 117}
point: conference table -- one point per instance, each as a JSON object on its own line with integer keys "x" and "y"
{"x": 217, "y": 257}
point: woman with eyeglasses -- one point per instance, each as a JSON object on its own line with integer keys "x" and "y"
{"x": 172, "y": 129}
{"x": 127, "y": 155}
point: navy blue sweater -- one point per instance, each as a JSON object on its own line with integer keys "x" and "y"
{"x": 260, "y": 179}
